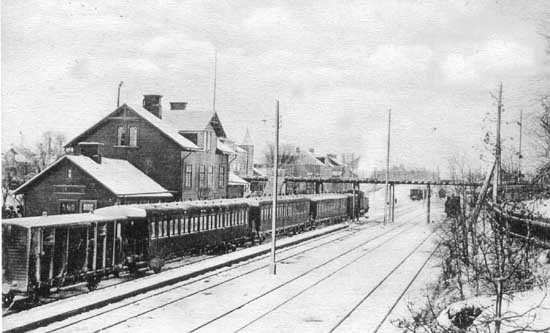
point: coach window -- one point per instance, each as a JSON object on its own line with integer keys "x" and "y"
{"x": 152, "y": 229}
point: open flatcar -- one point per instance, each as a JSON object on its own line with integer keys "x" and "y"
{"x": 42, "y": 252}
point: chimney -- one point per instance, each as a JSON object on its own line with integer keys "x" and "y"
{"x": 152, "y": 104}
{"x": 91, "y": 150}
{"x": 174, "y": 106}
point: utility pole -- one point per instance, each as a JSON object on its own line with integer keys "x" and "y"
{"x": 273, "y": 265}
{"x": 215, "y": 79}
{"x": 520, "y": 137}
{"x": 387, "y": 198}
{"x": 496, "y": 179}
{"x": 118, "y": 95}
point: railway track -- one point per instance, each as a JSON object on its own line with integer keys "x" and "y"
{"x": 92, "y": 316}
{"x": 309, "y": 287}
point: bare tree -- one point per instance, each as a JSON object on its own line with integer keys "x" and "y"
{"x": 50, "y": 148}
{"x": 288, "y": 155}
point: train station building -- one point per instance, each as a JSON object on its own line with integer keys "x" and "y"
{"x": 84, "y": 182}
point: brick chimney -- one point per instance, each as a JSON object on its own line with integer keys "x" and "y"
{"x": 174, "y": 106}
{"x": 91, "y": 149}
{"x": 152, "y": 104}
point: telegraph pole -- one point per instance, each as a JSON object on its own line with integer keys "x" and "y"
{"x": 215, "y": 79}
{"x": 273, "y": 265}
{"x": 496, "y": 180}
{"x": 520, "y": 137}
{"x": 387, "y": 198}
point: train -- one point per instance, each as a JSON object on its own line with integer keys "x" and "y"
{"x": 42, "y": 253}
{"x": 416, "y": 194}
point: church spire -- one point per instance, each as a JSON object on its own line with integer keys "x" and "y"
{"x": 247, "y": 140}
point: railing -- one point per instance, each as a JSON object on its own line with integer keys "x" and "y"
{"x": 524, "y": 226}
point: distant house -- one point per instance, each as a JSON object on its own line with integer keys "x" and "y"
{"x": 84, "y": 182}
{"x": 178, "y": 149}
{"x": 19, "y": 166}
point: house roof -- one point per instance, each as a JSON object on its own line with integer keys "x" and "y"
{"x": 236, "y": 180}
{"x": 162, "y": 125}
{"x": 224, "y": 148}
{"x": 22, "y": 154}
{"x": 118, "y": 176}
{"x": 193, "y": 121}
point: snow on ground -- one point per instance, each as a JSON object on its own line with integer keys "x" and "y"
{"x": 539, "y": 207}
{"x": 534, "y": 305}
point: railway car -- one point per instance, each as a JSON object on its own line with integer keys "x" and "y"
{"x": 361, "y": 205}
{"x": 292, "y": 214}
{"x": 42, "y": 252}
{"x": 328, "y": 208}
{"x": 169, "y": 230}
{"x": 416, "y": 194}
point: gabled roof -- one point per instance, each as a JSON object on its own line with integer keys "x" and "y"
{"x": 224, "y": 148}
{"x": 164, "y": 126}
{"x": 22, "y": 154}
{"x": 194, "y": 121}
{"x": 118, "y": 176}
{"x": 236, "y": 180}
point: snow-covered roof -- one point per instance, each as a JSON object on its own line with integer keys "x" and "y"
{"x": 64, "y": 219}
{"x": 224, "y": 149}
{"x": 236, "y": 180}
{"x": 193, "y": 121}
{"x": 118, "y": 176}
{"x": 163, "y": 126}
{"x": 257, "y": 172}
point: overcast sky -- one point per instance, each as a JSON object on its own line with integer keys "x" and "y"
{"x": 336, "y": 66}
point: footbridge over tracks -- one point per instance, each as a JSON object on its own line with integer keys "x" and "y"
{"x": 321, "y": 180}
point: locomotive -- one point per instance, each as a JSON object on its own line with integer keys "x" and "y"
{"x": 45, "y": 252}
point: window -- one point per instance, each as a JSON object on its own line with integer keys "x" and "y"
{"x": 188, "y": 176}
{"x": 68, "y": 207}
{"x": 133, "y": 136}
{"x": 211, "y": 176}
{"x": 121, "y": 136}
{"x": 153, "y": 229}
{"x": 221, "y": 179}
{"x": 207, "y": 141}
{"x": 87, "y": 205}
{"x": 202, "y": 176}
{"x": 69, "y": 173}
{"x": 126, "y": 139}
